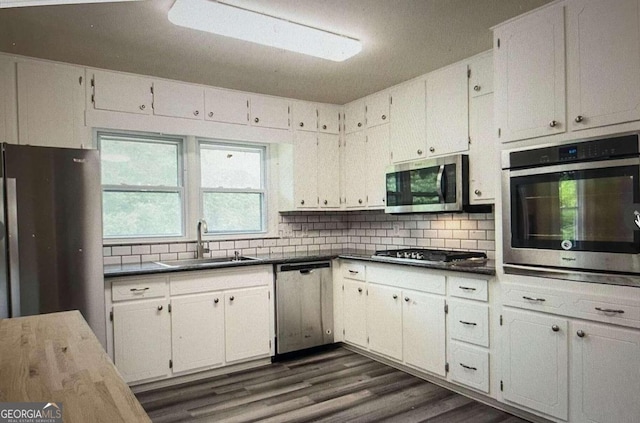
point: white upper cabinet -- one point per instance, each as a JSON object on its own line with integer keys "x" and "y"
{"x": 484, "y": 157}
{"x": 377, "y": 158}
{"x": 178, "y": 100}
{"x": 305, "y": 169}
{"x": 305, "y": 117}
{"x": 226, "y": 106}
{"x": 328, "y": 170}
{"x": 51, "y": 105}
{"x": 408, "y": 130}
{"x": 377, "y": 109}
{"x": 355, "y": 173}
{"x": 603, "y": 51}
{"x": 8, "y": 103}
{"x": 118, "y": 92}
{"x": 354, "y": 116}
{"x": 481, "y": 75}
{"x": 530, "y": 75}
{"x": 269, "y": 112}
{"x": 329, "y": 118}
{"x": 448, "y": 110}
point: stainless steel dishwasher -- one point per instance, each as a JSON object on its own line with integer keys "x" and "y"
{"x": 304, "y": 306}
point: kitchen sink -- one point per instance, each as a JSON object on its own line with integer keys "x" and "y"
{"x": 205, "y": 261}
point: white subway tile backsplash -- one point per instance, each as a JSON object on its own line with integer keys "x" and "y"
{"x": 141, "y": 249}
{"x": 159, "y": 248}
{"x": 121, "y": 250}
{"x": 177, "y": 248}
{"x": 112, "y": 260}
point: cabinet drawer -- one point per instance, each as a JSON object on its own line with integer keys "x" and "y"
{"x": 469, "y": 367}
{"x": 607, "y": 309}
{"x": 473, "y": 289}
{"x": 534, "y": 299}
{"x": 407, "y": 277}
{"x": 469, "y": 322}
{"x": 353, "y": 271}
{"x": 133, "y": 289}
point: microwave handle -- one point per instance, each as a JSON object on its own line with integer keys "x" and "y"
{"x": 439, "y": 180}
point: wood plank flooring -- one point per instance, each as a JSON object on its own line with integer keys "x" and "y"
{"x": 332, "y": 386}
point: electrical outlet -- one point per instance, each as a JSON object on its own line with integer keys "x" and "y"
{"x": 396, "y": 229}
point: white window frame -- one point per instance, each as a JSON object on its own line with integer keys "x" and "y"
{"x": 181, "y": 189}
{"x": 264, "y": 190}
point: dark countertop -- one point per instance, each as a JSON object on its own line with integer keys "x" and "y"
{"x": 481, "y": 267}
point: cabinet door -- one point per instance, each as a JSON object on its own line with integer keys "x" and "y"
{"x": 355, "y": 313}
{"x": 141, "y": 339}
{"x": 305, "y": 169}
{"x": 423, "y": 331}
{"x": 384, "y": 320}
{"x": 481, "y": 75}
{"x": 122, "y": 93}
{"x": 51, "y": 105}
{"x": 534, "y": 367}
{"x": 329, "y": 118}
{"x": 377, "y": 158}
{"x": 247, "y": 317}
{"x": 603, "y": 66}
{"x": 354, "y": 116}
{"x": 328, "y": 170}
{"x": 605, "y": 374}
{"x": 484, "y": 160}
{"x": 197, "y": 331}
{"x": 269, "y": 112}
{"x": 226, "y": 106}
{"x": 377, "y": 109}
{"x": 305, "y": 117}
{"x": 530, "y": 75}
{"x": 8, "y": 102}
{"x": 178, "y": 100}
{"x": 355, "y": 170}
{"x": 408, "y": 128}
{"x": 448, "y": 110}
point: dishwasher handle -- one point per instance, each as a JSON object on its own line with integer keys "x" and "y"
{"x": 304, "y": 268}
{"x": 306, "y": 271}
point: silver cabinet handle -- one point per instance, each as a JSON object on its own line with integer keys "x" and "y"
{"x": 469, "y": 367}
{"x": 476, "y": 88}
{"x": 579, "y": 118}
{"x": 360, "y": 200}
{"x": 231, "y": 298}
{"x": 466, "y": 288}
{"x": 326, "y": 202}
{"x": 210, "y": 114}
{"x": 553, "y": 123}
{"x": 468, "y": 323}
{"x": 301, "y": 124}
{"x": 555, "y": 328}
{"x": 324, "y": 126}
{"x": 406, "y": 299}
{"x": 419, "y": 152}
{"x": 580, "y": 334}
{"x": 395, "y": 297}
{"x": 302, "y": 202}
{"x": 609, "y": 310}
{"x": 256, "y": 120}
{"x": 139, "y": 290}
{"x": 160, "y": 308}
{"x": 432, "y": 149}
{"x": 534, "y": 299}
{"x": 353, "y": 272}
{"x": 359, "y": 289}
{"x": 384, "y": 117}
{"x": 359, "y": 124}
{"x": 142, "y": 107}
{"x": 216, "y": 301}
{"x": 477, "y": 192}
{"x": 196, "y": 113}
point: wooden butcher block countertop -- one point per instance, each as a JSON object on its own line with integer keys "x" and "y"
{"x": 57, "y": 358}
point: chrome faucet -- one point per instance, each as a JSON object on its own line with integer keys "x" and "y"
{"x": 200, "y": 248}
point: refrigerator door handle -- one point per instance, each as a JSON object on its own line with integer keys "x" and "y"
{"x": 14, "y": 252}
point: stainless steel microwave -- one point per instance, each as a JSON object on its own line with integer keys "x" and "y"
{"x": 574, "y": 206}
{"x": 432, "y": 185}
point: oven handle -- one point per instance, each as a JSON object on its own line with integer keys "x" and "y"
{"x": 439, "y": 184}
{"x": 635, "y": 161}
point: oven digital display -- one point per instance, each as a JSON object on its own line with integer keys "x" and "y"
{"x": 568, "y": 153}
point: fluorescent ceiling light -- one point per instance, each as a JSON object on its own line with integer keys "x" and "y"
{"x": 247, "y": 25}
{"x": 25, "y": 3}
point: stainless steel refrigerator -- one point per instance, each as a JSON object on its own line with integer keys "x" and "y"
{"x": 51, "y": 233}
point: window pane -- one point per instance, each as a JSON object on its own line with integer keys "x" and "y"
{"x": 233, "y": 212}
{"x": 130, "y": 162}
{"x": 230, "y": 167}
{"x": 136, "y": 214}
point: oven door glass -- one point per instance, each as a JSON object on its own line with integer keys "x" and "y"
{"x": 431, "y": 185}
{"x": 581, "y": 210}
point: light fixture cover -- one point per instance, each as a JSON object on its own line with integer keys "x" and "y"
{"x": 232, "y": 21}
{"x": 24, "y": 3}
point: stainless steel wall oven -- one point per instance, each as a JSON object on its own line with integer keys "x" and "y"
{"x": 574, "y": 206}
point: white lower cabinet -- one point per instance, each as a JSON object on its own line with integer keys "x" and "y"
{"x": 423, "y": 330}
{"x": 142, "y": 339}
{"x": 247, "y": 323}
{"x": 469, "y": 366}
{"x": 384, "y": 326}
{"x": 197, "y": 331}
{"x": 355, "y": 313}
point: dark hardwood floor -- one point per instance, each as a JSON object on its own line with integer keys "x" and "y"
{"x": 332, "y": 386}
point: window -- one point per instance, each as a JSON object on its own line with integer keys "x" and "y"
{"x": 232, "y": 185}
{"x": 142, "y": 186}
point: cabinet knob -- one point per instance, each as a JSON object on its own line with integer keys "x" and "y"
{"x": 359, "y": 124}
{"x": 160, "y": 308}
{"x": 142, "y": 107}
{"x": 579, "y": 118}
{"x": 406, "y": 299}
{"x": 395, "y": 297}
{"x": 432, "y": 149}
{"x": 326, "y": 202}
{"x": 256, "y": 120}
{"x": 359, "y": 289}
{"x": 196, "y": 113}
{"x": 553, "y": 123}
{"x": 555, "y": 328}
{"x": 302, "y": 202}
{"x": 210, "y": 114}
{"x": 324, "y": 126}
{"x": 359, "y": 200}
{"x": 231, "y": 298}
{"x": 419, "y": 152}
{"x": 580, "y": 333}
{"x": 384, "y": 117}
{"x": 476, "y": 88}
{"x": 301, "y": 124}
{"x": 477, "y": 192}
{"x": 216, "y": 301}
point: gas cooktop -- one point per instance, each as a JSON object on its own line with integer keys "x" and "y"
{"x": 430, "y": 254}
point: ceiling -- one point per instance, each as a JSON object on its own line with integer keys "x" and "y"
{"x": 401, "y": 39}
